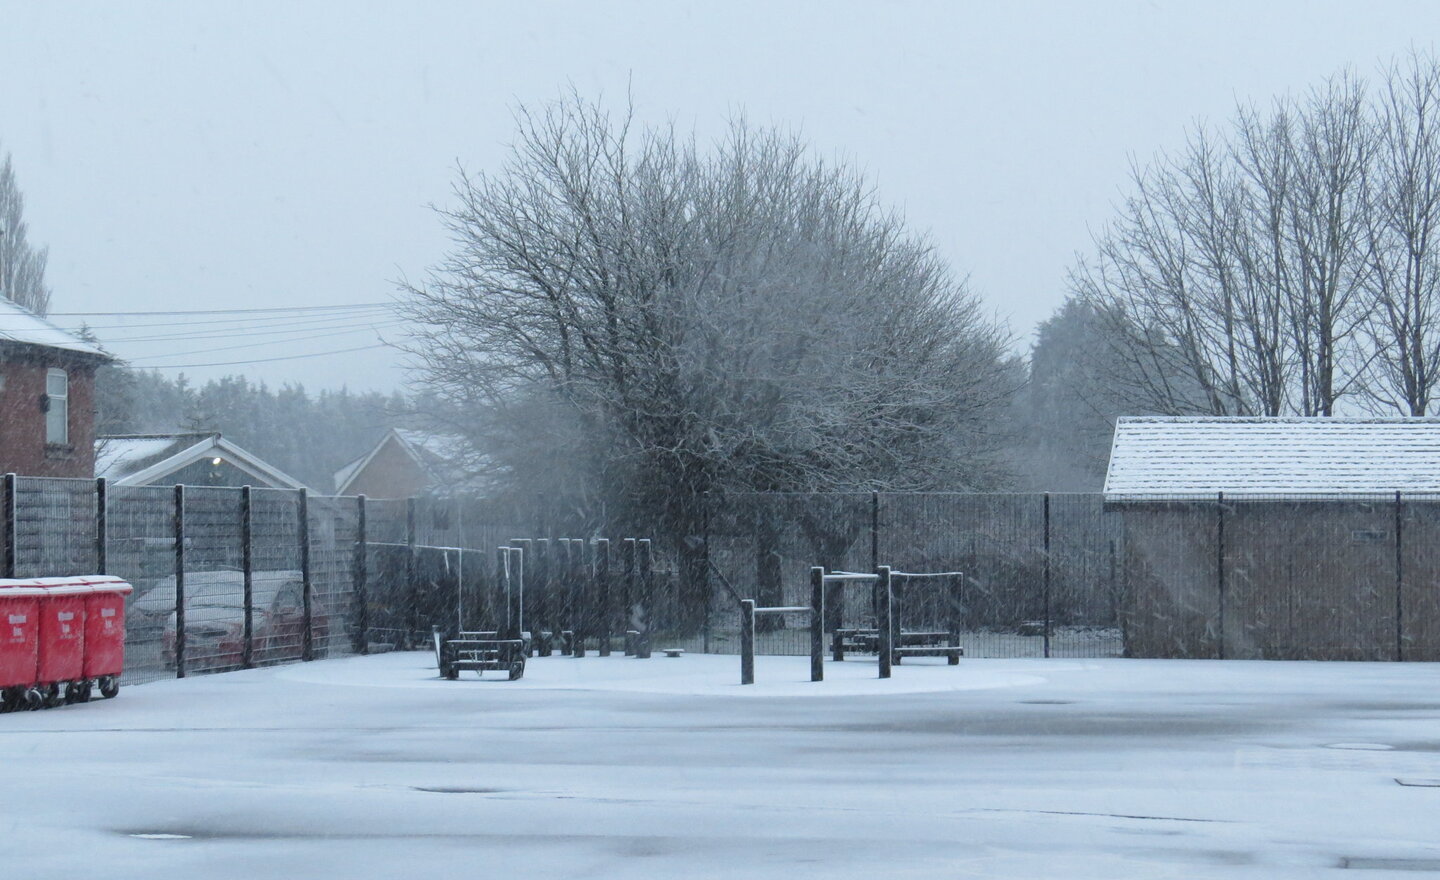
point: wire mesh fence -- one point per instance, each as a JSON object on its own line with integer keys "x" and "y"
{"x": 272, "y": 575}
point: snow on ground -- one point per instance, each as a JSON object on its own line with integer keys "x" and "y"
{"x": 667, "y": 768}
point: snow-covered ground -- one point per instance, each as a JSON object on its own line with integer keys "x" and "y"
{"x": 667, "y": 768}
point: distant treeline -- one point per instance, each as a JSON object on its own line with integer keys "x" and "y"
{"x": 309, "y": 436}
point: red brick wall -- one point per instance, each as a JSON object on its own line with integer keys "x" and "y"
{"x": 392, "y": 473}
{"x": 22, "y": 423}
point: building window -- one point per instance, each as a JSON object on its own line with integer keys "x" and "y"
{"x": 57, "y": 410}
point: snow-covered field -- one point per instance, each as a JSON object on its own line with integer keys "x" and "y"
{"x": 667, "y": 768}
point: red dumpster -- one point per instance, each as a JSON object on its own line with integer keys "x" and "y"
{"x": 105, "y": 634}
{"x": 19, "y": 644}
{"x": 62, "y": 639}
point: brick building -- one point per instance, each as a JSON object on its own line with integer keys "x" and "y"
{"x": 47, "y": 397}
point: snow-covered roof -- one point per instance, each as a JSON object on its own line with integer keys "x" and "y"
{"x": 21, "y": 326}
{"x": 143, "y": 459}
{"x": 1198, "y": 457}
{"x": 447, "y": 459}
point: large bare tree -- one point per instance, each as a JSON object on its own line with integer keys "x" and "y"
{"x": 663, "y": 320}
{"x": 1238, "y": 272}
{"x": 1404, "y": 238}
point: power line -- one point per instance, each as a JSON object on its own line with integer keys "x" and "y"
{"x": 239, "y": 333}
{"x": 152, "y": 357}
{"x": 242, "y": 321}
{"x": 226, "y": 311}
{"x": 231, "y": 363}
{"x": 258, "y": 320}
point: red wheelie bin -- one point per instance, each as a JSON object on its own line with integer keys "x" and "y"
{"x": 19, "y": 645}
{"x": 60, "y": 672}
{"x": 104, "y": 636}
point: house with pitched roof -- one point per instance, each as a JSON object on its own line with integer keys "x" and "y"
{"x": 407, "y": 463}
{"x": 195, "y": 459}
{"x": 1284, "y": 538}
{"x": 47, "y": 396}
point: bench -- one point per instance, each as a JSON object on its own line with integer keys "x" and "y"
{"x": 480, "y": 652}
{"x": 909, "y": 643}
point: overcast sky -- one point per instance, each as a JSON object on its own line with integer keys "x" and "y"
{"x": 256, "y": 155}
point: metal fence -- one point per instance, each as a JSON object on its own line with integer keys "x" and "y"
{"x": 1044, "y": 575}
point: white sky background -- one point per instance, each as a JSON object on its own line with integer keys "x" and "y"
{"x": 192, "y": 156}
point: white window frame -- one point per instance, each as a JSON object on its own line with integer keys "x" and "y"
{"x": 57, "y": 403}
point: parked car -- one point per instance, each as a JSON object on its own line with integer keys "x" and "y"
{"x": 215, "y": 619}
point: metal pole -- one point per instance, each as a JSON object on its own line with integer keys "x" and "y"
{"x": 1220, "y": 567}
{"x": 1047, "y": 574}
{"x": 644, "y": 619}
{"x": 7, "y": 521}
{"x": 412, "y": 589}
{"x": 956, "y": 585}
{"x": 362, "y": 579}
{"x": 307, "y": 586}
{"x": 502, "y": 578}
{"x": 706, "y": 586}
{"x": 1399, "y": 581}
{"x": 538, "y": 552}
{"x": 517, "y": 595}
{"x": 882, "y": 619}
{"x": 247, "y": 576}
{"x": 602, "y": 593}
{"x": 747, "y": 641}
{"x": 817, "y": 624}
{"x": 874, "y": 530}
{"x": 102, "y": 526}
{"x": 628, "y": 592}
{"x": 178, "y": 522}
{"x": 578, "y": 593}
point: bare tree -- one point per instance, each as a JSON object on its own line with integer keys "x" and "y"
{"x": 1235, "y": 274}
{"x": 22, "y": 267}
{"x": 1403, "y": 238}
{"x": 734, "y": 319}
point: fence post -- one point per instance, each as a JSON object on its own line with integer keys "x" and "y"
{"x": 874, "y": 530}
{"x": 956, "y": 585}
{"x": 1047, "y": 574}
{"x": 7, "y": 522}
{"x": 628, "y": 592}
{"x": 362, "y": 574}
{"x": 747, "y": 641}
{"x": 412, "y": 588}
{"x": 1220, "y": 567}
{"x": 502, "y": 578}
{"x": 817, "y": 623}
{"x": 1399, "y": 581}
{"x": 558, "y": 589}
{"x": 307, "y": 587}
{"x": 602, "y": 593}
{"x": 517, "y": 593}
{"x": 247, "y": 576}
{"x": 543, "y": 645}
{"x": 706, "y": 585}
{"x": 178, "y": 522}
{"x": 646, "y": 613}
{"x": 579, "y": 594}
{"x": 102, "y": 526}
{"x": 882, "y": 620}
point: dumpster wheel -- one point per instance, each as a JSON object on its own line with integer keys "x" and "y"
{"x": 109, "y": 686}
{"x": 77, "y": 692}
